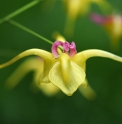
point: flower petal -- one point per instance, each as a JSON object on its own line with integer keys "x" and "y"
{"x": 86, "y": 54}
{"x": 87, "y": 91}
{"x": 32, "y": 64}
{"x": 66, "y": 75}
{"x": 38, "y": 52}
{"x": 58, "y": 37}
{"x": 46, "y": 56}
{"x": 49, "y": 89}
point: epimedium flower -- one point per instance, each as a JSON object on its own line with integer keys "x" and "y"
{"x": 33, "y": 64}
{"x": 64, "y": 67}
{"x": 112, "y": 24}
{"x": 76, "y": 8}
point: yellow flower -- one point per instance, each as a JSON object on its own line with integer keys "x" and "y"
{"x": 75, "y": 8}
{"x": 113, "y": 26}
{"x": 65, "y": 70}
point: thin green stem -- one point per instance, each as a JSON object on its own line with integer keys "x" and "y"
{"x": 20, "y": 10}
{"x": 29, "y": 31}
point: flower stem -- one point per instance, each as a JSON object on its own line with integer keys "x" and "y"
{"x": 20, "y": 10}
{"x": 28, "y": 30}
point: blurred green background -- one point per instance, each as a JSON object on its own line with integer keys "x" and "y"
{"x": 21, "y": 105}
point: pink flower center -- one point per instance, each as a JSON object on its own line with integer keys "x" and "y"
{"x": 65, "y": 47}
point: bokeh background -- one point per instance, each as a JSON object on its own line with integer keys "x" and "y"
{"x": 22, "y": 105}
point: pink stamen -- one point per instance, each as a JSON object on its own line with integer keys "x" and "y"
{"x": 73, "y": 50}
{"x": 67, "y": 48}
{"x": 54, "y": 48}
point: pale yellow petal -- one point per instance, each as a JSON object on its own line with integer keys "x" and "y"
{"x": 58, "y": 36}
{"x": 66, "y": 75}
{"x": 86, "y": 54}
{"x": 48, "y": 57}
{"x": 87, "y": 91}
{"x": 76, "y": 7}
{"x": 31, "y": 64}
{"x": 80, "y": 60}
{"x": 49, "y": 89}
{"x": 44, "y": 76}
